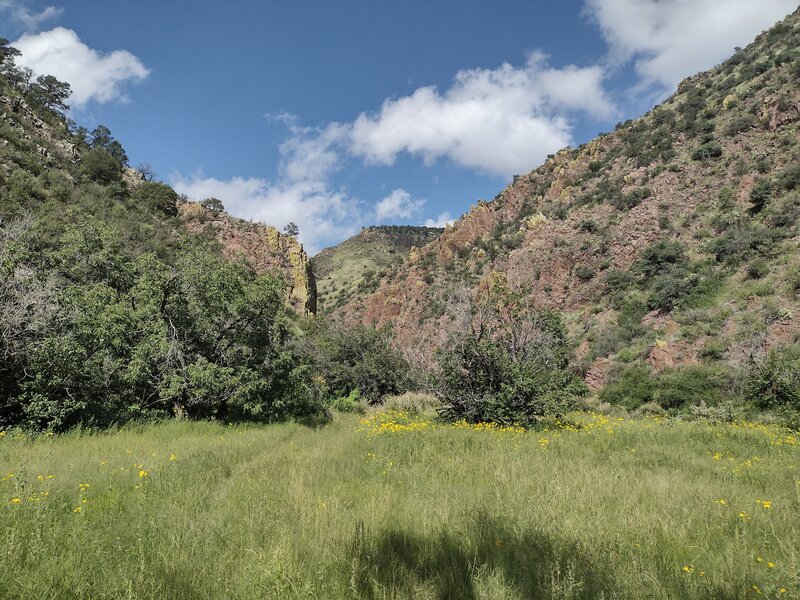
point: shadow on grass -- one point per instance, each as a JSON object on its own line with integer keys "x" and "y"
{"x": 394, "y": 563}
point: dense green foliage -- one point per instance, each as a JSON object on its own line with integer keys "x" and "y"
{"x": 355, "y": 359}
{"x": 636, "y": 385}
{"x": 139, "y": 338}
{"x": 109, "y": 310}
{"x": 510, "y": 368}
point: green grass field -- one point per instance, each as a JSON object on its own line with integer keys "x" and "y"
{"x": 389, "y": 507}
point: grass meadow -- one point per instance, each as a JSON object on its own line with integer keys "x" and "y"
{"x": 389, "y": 506}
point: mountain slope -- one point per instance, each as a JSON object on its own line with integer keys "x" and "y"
{"x": 672, "y": 240}
{"x": 355, "y": 266}
{"x": 48, "y": 171}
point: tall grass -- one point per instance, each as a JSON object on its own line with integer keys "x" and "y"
{"x": 387, "y": 507}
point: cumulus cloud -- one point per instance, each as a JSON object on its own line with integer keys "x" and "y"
{"x": 93, "y": 76}
{"x": 442, "y": 220}
{"x": 500, "y": 121}
{"x": 29, "y": 19}
{"x": 398, "y": 205}
{"x": 302, "y": 193}
{"x": 672, "y": 39}
{"x": 322, "y": 215}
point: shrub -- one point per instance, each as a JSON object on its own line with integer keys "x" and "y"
{"x": 480, "y": 381}
{"x": 98, "y": 165}
{"x": 355, "y": 357}
{"x": 617, "y": 281}
{"x": 757, "y": 269}
{"x": 636, "y": 385}
{"x": 789, "y": 178}
{"x": 584, "y": 272}
{"x": 740, "y": 123}
{"x": 707, "y": 151}
{"x": 630, "y": 387}
{"x": 350, "y": 403}
{"x": 157, "y": 197}
{"x": 661, "y": 258}
{"x": 631, "y": 199}
{"x": 510, "y": 369}
{"x": 668, "y": 289}
{"x": 741, "y": 241}
{"x": 784, "y": 215}
{"x": 693, "y": 385}
{"x": 775, "y": 381}
{"x": 760, "y": 195}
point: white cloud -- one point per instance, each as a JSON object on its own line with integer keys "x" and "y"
{"x": 672, "y": 39}
{"x": 500, "y": 121}
{"x": 398, "y": 205}
{"x": 93, "y": 76}
{"x": 441, "y": 221}
{"x": 301, "y": 194}
{"x": 322, "y": 215}
{"x": 28, "y": 19}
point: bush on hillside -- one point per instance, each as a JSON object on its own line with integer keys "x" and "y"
{"x": 157, "y": 197}
{"x": 678, "y": 388}
{"x": 707, "y": 151}
{"x": 774, "y": 382}
{"x": 510, "y": 365}
{"x": 661, "y": 258}
{"x": 98, "y": 165}
{"x": 760, "y": 195}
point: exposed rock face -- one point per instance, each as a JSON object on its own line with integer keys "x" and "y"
{"x": 264, "y": 247}
{"x": 560, "y": 229}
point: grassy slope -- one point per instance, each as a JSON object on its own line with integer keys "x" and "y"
{"x": 620, "y": 508}
{"x": 352, "y": 268}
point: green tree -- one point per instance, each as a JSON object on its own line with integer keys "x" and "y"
{"x": 100, "y": 166}
{"x": 103, "y": 140}
{"x": 157, "y": 197}
{"x": 50, "y": 93}
{"x": 508, "y": 363}
{"x": 7, "y": 53}
{"x": 213, "y": 204}
{"x": 356, "y": 357}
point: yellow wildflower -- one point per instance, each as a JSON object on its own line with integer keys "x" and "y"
{"x": 16, "y": 500}
{"x": 688, "y": 569}
{"x": 770, "y": 565}
{"x": 721, "y": 502}
{"x": 143, "y": 474}
{"x": 83, "y": 486}
{"x": 77, "y": 509}
{"x": 172, "y": 457}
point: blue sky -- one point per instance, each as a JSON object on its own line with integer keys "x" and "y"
{"x": 341, "y": 114}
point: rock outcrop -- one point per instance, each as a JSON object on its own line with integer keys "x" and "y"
{"x": 262, "y": 246}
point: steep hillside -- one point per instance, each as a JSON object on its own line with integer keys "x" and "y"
{"x": 50, "y": 172}
{"x": 355, "y": 267}
{"x": 672, "y": 240}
